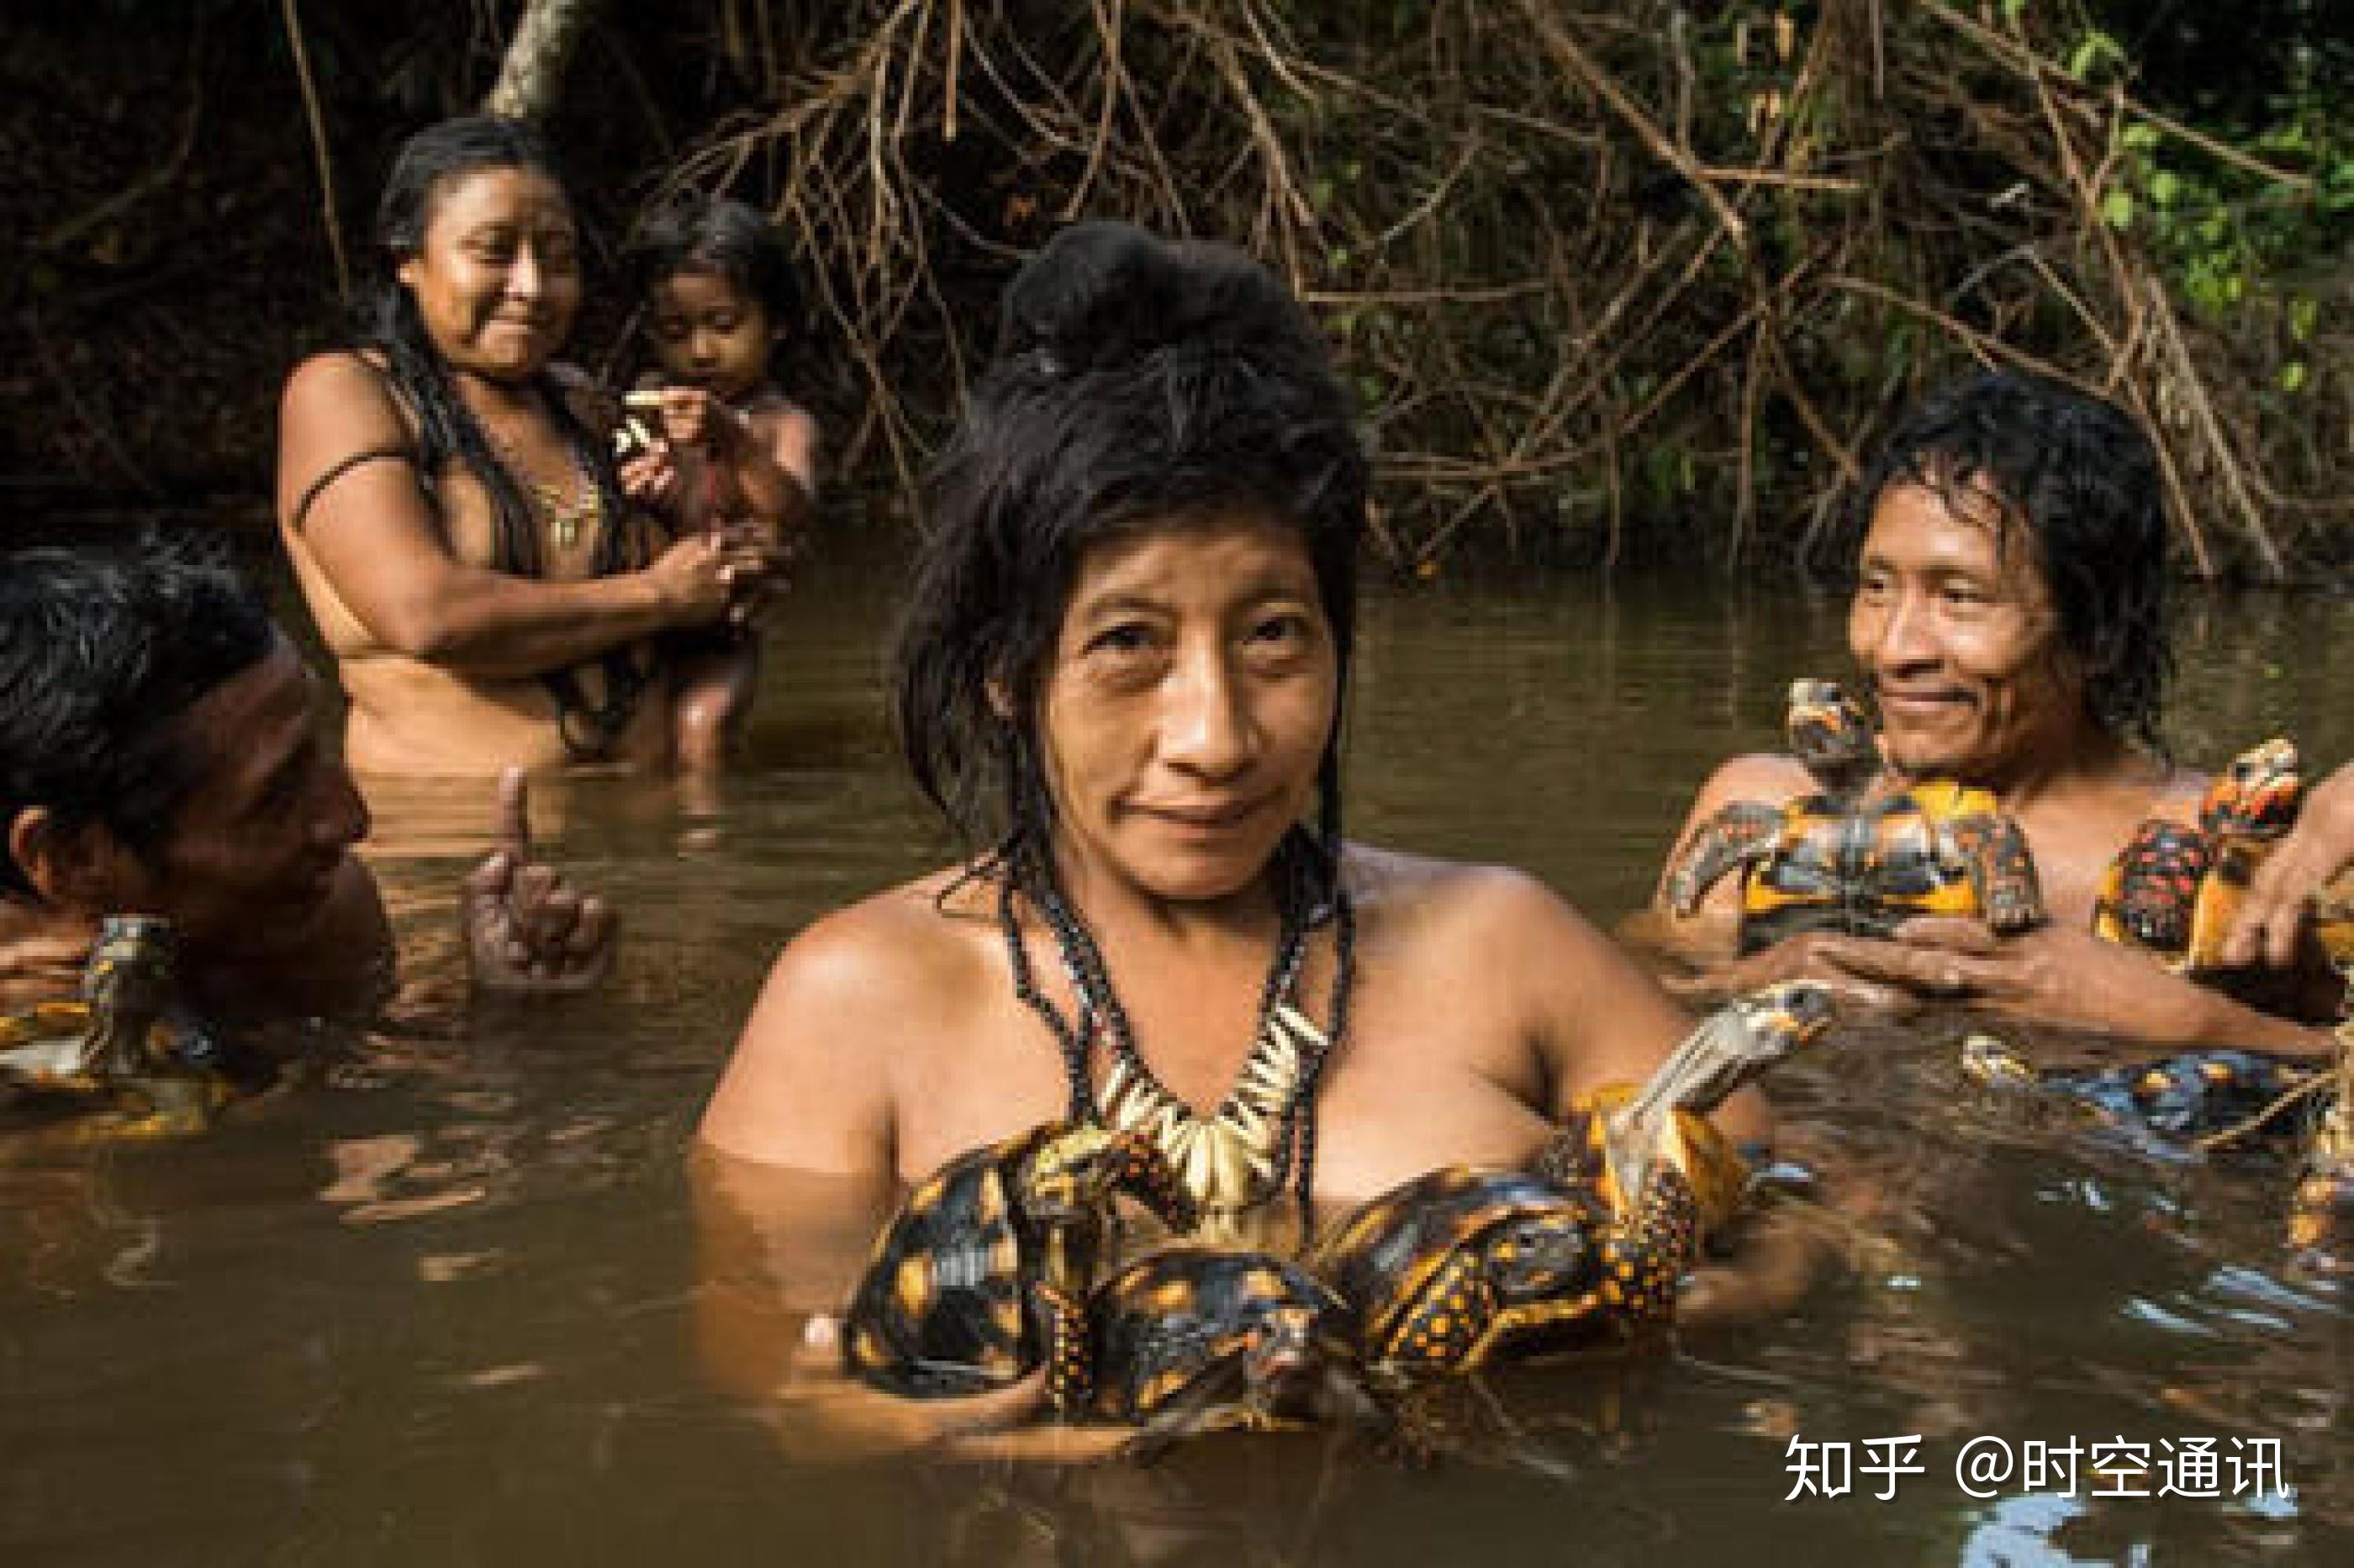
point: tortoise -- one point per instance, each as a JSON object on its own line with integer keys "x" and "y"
{"x": 1190, "y": 1338}
{"x": 123, "y": 1041}
{"x": 2174, "y": 889}
{"x": 1468, "y": 1264}
{"x": 983, "y": 1274}
{"x": 1852, "y": 857}
{"x": 2167, "y": 1107}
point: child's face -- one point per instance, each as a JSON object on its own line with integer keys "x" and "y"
{"x": 710, "y": 333}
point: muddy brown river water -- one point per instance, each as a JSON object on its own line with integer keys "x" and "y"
{"x": 441, "y": 1306}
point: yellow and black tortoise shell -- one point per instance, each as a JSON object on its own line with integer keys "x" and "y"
{"x": 1409, "y": 1261}
{"x": 1167, "y": 1331}
{"x": 1865, "y": 870}
{"x": 1715, "y": 1177}
{"x": 943, "y": 1308}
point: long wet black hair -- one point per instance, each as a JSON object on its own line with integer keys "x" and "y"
{"x": 2079, "y": 478}
{"x": 1137, "y": 380}
{"x": 428, "y": 164}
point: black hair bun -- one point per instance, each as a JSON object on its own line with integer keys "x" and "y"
{"x": 1103, "y": 294}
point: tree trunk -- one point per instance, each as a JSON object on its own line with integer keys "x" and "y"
{"x": 533, "y": 72}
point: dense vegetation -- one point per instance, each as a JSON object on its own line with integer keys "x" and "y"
{"x": 1615, "y": 280}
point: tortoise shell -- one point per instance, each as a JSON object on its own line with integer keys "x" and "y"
{"x": 1937, "y": 848}
{"x": 1709, "y": 1170}
{"x": 1844, "y": 859}
{"x": 1464, "y": 1264}
{"x": 2162, "y": 1107}
{"x": 962, "y": 1293}
{"x": 2174, "y": 890}
{"x": 1191, "y": 1339}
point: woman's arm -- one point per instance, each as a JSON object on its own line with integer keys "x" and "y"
{"x": 794, "y": 1174}
{"x": 375, "y": 536}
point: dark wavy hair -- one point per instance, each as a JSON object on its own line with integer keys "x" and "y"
{"x": 423, "y": 171}
{"x": 2081, "y": 479}
{"x": 721, "y": 236}
{"x": 102, "y": 651}
{"x": 1137, "y": 380}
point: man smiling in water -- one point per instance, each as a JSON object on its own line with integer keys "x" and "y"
{"x": 2009, "y": 619}
{"x": 159, "y": 755}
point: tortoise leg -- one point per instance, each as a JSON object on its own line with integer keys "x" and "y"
{"x": 2001, "y": 871}
{"x": 1736, "y": 835}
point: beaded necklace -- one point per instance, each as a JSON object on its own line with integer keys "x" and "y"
{"x": 1265, "y": 1129}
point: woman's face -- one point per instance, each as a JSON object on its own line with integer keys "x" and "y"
{"x": 708, "y": 333}
{"x": 1954, "y": 627}
{"x": 1194, "y": 684}
{"x": 497, "y": 275}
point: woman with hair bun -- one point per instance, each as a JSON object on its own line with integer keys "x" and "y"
{"x": 448, "y": 497}
{"x": 1122, "y": 676}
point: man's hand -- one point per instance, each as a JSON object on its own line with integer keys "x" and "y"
{"x": 527, "y": 929}
{"x": 2279, "y": 901}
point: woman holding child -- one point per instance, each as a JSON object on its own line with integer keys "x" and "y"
{"x": 493, "y": 589}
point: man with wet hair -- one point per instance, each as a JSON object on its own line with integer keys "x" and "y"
{"x": 2009, "y": 620}
{"x": 159, "y": 755}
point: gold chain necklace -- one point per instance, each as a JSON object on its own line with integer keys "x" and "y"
{"x": 570, "y": 510}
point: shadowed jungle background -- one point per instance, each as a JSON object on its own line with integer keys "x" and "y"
{"x": 1614, "y": 281}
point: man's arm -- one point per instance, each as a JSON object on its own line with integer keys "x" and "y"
{"x": 2278, "y": 907}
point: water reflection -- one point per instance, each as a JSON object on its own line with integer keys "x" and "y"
{"x": 460, "y": 1300}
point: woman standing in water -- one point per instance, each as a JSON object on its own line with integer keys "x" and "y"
{"x": 447, "y": 495}
{"x": 1123, "y": 670}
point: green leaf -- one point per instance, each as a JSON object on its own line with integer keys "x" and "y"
{"x": 2304, "y": 315}
{"x": 2139, "y": 136}
{"x": 2164, "y": 187}
{"x": 2118, "y": 209}
{"x": 2087, "y": 55}
{"x": 2292, "y": 375}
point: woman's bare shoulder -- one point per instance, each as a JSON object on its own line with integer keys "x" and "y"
{"x": 909, "y": 948}
{"x": 1461, "y": 899}
{"x": 338, "y": 380}
{"x": 854, "y": 1010}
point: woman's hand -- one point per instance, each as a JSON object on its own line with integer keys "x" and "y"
{"x": 701, "y": 576}
{"x": 846, "y": 1419}
{"x": 528, "y": 930}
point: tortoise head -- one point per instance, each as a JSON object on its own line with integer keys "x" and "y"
{"x": 1542, "y": 1255}
{"x": 129, "y": 969}
{"x": 2257, "y": 796}
{"x": 1787, "y": 1017}
{"x": 1079, "y": 1170}
{"x": 1829, "y": 732}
